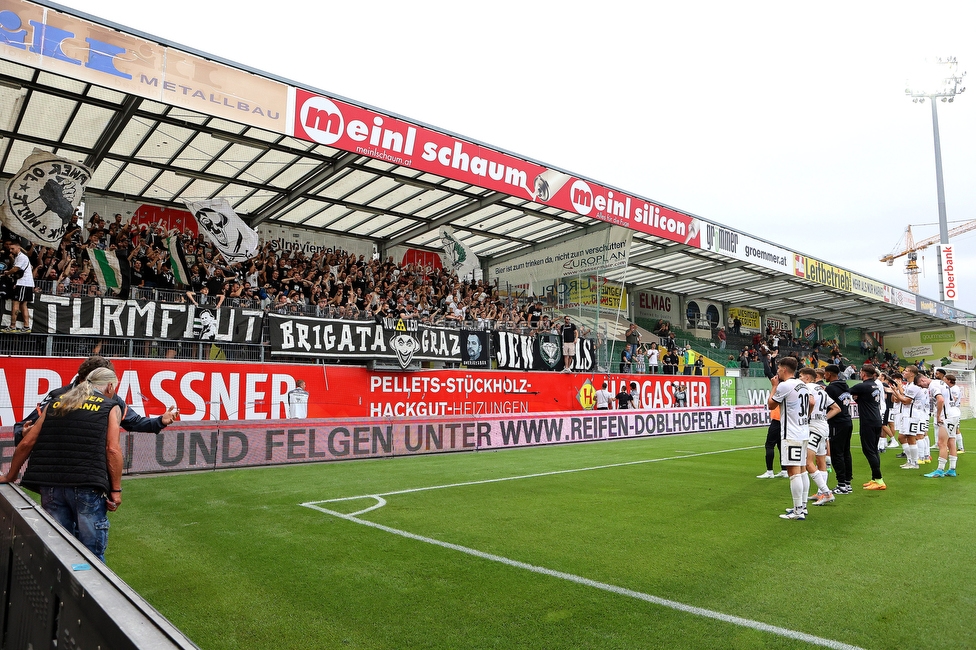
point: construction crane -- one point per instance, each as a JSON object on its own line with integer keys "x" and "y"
{"x": 912, "y": 247}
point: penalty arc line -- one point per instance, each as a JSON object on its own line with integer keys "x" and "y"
{"x": 614, "y": 589}
{"x": 622, "y": 591}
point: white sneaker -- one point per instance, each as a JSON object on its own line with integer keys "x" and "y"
{"x": 893, "y": 443}
{"x": 782, "y": 474}
{"x": 767, "y": 474}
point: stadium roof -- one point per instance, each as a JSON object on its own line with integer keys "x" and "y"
{"x": 158, "y": 122}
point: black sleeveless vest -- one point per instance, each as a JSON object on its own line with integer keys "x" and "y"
{"x": 70, "y": 449}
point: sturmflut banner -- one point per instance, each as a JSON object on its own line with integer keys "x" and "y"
{"x": 117, "y": 318}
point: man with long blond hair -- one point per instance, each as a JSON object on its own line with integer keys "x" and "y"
{"x": 76, "y": 459}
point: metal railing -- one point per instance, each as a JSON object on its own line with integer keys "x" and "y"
{"x": 57, "y": 594}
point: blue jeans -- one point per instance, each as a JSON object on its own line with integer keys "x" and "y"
{"x": 81, "y": 511}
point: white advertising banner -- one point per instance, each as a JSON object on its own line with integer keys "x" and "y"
{"x": 590, "y": 255}
{"x": 287, "y": 239}
{"x": 740, "y": 246}
{"x": 657, "y": 305}
{"x": 903, "y": 298}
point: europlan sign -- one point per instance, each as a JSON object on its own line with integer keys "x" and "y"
{"x": 948, "y": 274}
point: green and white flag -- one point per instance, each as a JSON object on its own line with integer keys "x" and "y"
{"x": 457, "y": 255}
{"x": 112, "y": 271}
{"x": 177, "y": 261}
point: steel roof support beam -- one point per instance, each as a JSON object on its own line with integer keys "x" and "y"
{"x": 302, "y": 187}
{"x": 474, "y": 206}
{"x": 112, "y": 131}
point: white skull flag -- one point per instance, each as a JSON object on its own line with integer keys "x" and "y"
{"x": 228, "y": 232}
{"x": 40, "y": 200}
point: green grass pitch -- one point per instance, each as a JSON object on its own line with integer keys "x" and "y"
{"x": 666, "y": 542}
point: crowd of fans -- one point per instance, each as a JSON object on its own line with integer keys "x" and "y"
{"x": 330, "y": 284}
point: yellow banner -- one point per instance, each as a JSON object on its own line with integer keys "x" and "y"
{"x": 611, "y": 296}
{"x": 824, "y": 273}
{"x": 60, "y": 43}
{"x": 867, "y": 287}
{"x": 748, "y": 317}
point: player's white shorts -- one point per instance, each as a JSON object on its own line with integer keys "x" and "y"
{"x": 897, "y": 419}
{"x": 952, "y": 425}
{"x": 924, "y": 427}
{"x": 912, "y": 427}
{"x": 793, "y": 453}
{"x": 817, "y": 442}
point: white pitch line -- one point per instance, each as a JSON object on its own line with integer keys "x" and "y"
{"x": 614, "y": 589}
{"x": 524, "y": 476}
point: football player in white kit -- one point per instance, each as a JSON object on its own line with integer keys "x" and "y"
{"x": 823, "y": 409}
{"x": 913, "y": 412}
{"x": 795, "y": 402}
{"x": 940, "y": 396}
{"x": 955, "y": 413}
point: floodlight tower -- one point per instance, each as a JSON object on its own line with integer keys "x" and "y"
{"x": 942, "y": 81}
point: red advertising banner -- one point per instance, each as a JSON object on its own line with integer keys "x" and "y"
{"x": 217, "y": 391}
{"x": 199, "y": 446}
{"x": 321, "y": 119}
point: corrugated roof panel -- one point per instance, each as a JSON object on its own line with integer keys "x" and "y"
{"x": 106, "y": 95}
{"x": 199, "y": 190}
{"x": 11, "y": 69}
{"x": 344, "y": 184}
{"x": 61, "y": 83}
{"x": 88, "y": 125}
{"x": 11, "y": 104}
{"x": 256, "y": 201}
{"x": 134, "y": 180}
{"x": 46, "y": 116}
{"x": 394, "y": 199}
{"x": 163, "y": 143}
{"x": 390, "y": 230}
{"x": 300, "y": 211}
{"x": 130, "y": 138}
{"x": 235, "y": 161}
{"x": 18, "y": 154}
{"x": 329, "y": 216}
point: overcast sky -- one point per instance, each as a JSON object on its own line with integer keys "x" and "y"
{"x": 786, "y": 121}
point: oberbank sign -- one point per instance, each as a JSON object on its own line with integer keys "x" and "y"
{"x": 332, "y": 122}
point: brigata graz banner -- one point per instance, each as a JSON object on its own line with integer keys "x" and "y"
{"x": 394, "y": 340}
{"x": 116, "y": 318}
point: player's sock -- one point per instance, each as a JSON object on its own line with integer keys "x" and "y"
{"x": 952, "y": 463}
{"x": 922, "y": 447}
{"x": 796, "y": 489}
{"x": 942, "y": 462}
{"x": 906, "y": 449}
{"x": 820, "y": 479}
{"x": 959, "y": 444}
{"x": 912, "y": 454}
{"x": 806, "y": 483}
